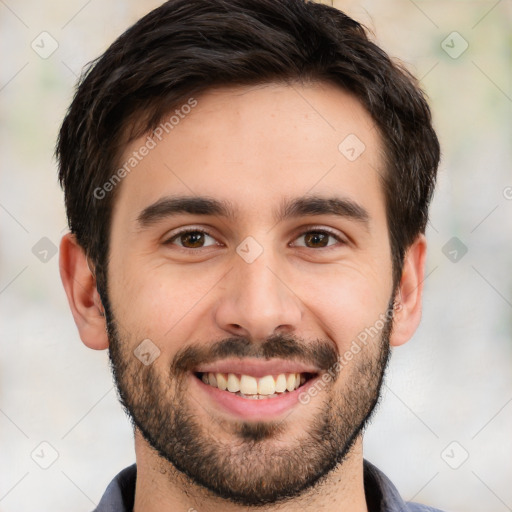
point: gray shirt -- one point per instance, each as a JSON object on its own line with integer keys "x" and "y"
{"x": 381, "y": 494}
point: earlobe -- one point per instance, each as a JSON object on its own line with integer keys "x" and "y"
{"x": 83, "y": 297}
{"x": 407, "y": 313}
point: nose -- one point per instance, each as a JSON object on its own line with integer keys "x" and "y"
{"x": 257, "y": 299}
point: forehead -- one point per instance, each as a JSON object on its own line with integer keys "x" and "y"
{"x": 252, "y": 145}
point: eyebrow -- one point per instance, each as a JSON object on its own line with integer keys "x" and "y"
{"x": 170, "y": 206}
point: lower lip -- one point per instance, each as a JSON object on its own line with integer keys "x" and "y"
{"x": 253, "y": 409}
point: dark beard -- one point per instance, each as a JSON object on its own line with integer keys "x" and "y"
{"x": 250, "y": 470}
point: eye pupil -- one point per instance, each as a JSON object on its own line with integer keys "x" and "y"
{"x": 195, "y": 238}
{"x": 314, "y": 237}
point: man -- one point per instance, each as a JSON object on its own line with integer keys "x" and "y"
{"x": 247, "y": 187}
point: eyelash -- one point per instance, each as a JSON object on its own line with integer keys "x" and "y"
{"x": 202, "y": 231}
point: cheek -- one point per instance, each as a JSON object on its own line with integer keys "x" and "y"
{"x": 344, "y": 301}
{"x": 159, "y": 301}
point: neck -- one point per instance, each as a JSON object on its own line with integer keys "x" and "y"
{"x": 160, "y": 487}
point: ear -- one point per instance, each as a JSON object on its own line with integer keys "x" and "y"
{"x": 83, "y": 297}
{"x": 407, "y": 315}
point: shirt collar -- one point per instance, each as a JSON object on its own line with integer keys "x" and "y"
{"x": 381, "y": 494}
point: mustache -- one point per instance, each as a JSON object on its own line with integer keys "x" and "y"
{"x": 320, "y": 352}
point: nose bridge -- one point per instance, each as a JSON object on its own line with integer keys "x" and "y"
{"x": 258, "y": 280}
{"x": 256, "y": 299}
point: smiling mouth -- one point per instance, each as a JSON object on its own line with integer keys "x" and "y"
{"x": 254, "y": 388}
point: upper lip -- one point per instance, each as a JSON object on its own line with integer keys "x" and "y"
{"x": 256, "y": 367}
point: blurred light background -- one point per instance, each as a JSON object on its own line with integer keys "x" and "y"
{"x": 442, "y": 432}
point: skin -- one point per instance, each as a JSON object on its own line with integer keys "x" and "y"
{"x": 253, "y": 146}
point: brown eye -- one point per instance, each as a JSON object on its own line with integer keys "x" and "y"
{"x": 192, "y": 239}
{"x": 318, "y": 239}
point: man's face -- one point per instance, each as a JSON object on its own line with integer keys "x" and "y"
{"x": 258, "y": 293}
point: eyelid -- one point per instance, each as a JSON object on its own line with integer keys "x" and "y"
{"x": 303, "y": 230}
{"x": 183, "y": 231}
{"x": 343, "y": 239}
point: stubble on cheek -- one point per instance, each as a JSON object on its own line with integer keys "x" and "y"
{"x": 247, "y": 463}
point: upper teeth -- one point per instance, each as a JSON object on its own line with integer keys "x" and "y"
{"x": 248, "y": 385}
